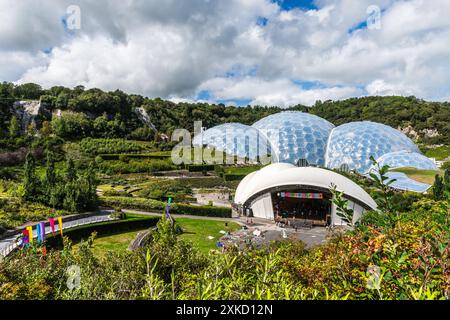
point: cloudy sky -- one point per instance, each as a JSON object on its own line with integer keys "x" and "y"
{"x": 267, "y": 52}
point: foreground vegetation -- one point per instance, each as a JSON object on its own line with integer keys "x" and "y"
{"x": 412, "y": 257}
{"x": 53, "y": 167}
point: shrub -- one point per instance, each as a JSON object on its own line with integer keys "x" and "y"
{"x": 200, "y": 167}
{"x": 162, "y": 189}
{"x": 92, "y": 146}
{"x": 446, "y": 166}
{"x": 135, "y": 166}
{"x": 116, "y": 193}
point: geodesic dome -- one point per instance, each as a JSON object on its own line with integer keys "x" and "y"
{"x": 354, "y": 143}
{"x": 403, "y": 159}
{"x": 235, "y": 139}
{"x": 296, "y": 135}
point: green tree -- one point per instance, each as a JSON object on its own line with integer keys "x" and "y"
{"x": 71, "y": 201}
{"x": 342, "y": 209}
{"x": 92, "y": 183}
{"x": 30, "y": 180}
{"x": 46, "y": 129}
{"x": 50, "y": 181}
{"x": 14, "y": 129}
{"x": 166, "y": 232}
{"x": 28, "y": 91}
{"x": 382, "y": 182}
{"x": 438, "y": 188}
{"x": 71, "y": 173}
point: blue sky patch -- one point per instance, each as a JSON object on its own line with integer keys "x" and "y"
{"x": 296, "y": 4}
{"x": 262, "y": 21}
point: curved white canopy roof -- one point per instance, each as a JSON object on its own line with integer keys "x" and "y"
{"x": 285, "y": 174}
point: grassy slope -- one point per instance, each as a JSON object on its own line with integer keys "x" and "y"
{"x": 116, "y": 243}
{"x": 425, "y": 176}
{"x": 195, "y": 231}
{"x": 440, "y": 153}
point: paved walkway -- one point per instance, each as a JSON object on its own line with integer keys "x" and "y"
{"x": 270, "y": 232}
{"x": 9, "y": 244}
{"x": 183, "y": 216}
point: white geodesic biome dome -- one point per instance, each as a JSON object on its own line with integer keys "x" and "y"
{"x": 296, "y": 135}
{"x": 406, "y": 159}
{"x": 291, "y": 136}
{"x": 235, "y": 139}
{"x": 353, "y": 144}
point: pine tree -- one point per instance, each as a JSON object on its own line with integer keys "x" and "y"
{"x": 46, "y": 129}
{"x": 92, "y": 183}
{"x": 447, "y": 181}
{"x": 438, "y": 188}
{"x": 14, "y": 130}
{"x": 71, "y": 173}
{"x": 50, "y": 181}
{"x": 30, "y": 180}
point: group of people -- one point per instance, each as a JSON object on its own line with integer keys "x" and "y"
{"x": 286, "y": 212}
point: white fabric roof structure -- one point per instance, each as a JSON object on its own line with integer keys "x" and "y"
{"x": 285, "y": 174}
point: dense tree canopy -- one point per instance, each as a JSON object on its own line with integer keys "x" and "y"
{"x": 110, "y": 114}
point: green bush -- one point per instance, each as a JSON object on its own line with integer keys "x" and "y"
{"x": 162, "y": 189}
{"x": 205, "y": 211}
{"x": 133, "y": 203}
{"x": 142, "y": 156}
{"x": 92, "y": 146}
{"x": 233, "y": 177}
{"x": 116, "y": 193}
{"x": 200, "y": 167}
{"x": 135, "y": 166}
{"x": 412, "y": 259}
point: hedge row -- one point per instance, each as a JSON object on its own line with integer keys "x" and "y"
{"x": 97, "y": 146}
{"x": 233, "y": 177}
{"x": 135, "y": 166}
{"x": 133, "y": 203}
{"x": 200, "y": 167}
{"x": 159, "y": 206}
{"x": 108, "y": 157}
{"x": 205, "y": 211}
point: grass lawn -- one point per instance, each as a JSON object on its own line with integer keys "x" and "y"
{"x": 439, "y": 153}
{"x": 241, "y": 170}
{"x": 198, "y": 231}
{"x": 114, "y": 243}
{"x": 424, "y": 176}
{"x": 195, "y": 230}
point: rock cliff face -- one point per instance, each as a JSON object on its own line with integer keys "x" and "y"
{"x": 413, "y": 134}
{"x": 31, "y": 112}
{"x": 145, "y": 118}
{"x": 430, "y": 133}
{"x": 410, "y": 132}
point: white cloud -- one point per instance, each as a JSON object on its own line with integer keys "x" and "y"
{"x": 179, "y": 48}
{"x": 280, "y": 92}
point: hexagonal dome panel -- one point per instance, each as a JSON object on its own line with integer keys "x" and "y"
{"x": 354, "y": 143}
{"x": 235, "y": 139}
{"x": 296, "y": 135}
{"x": 403, "y": 159}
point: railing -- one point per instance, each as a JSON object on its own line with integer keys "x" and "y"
{"x": 14, "y": 244}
